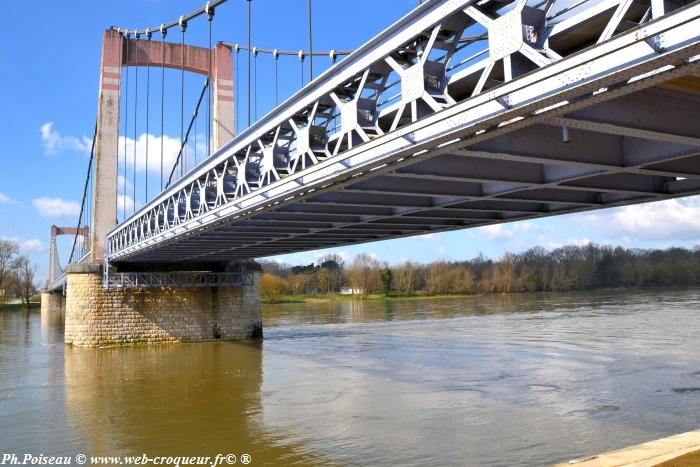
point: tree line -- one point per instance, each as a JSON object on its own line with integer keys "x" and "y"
{"x": 571, "y": 267}
{"x": 16, "y": 273}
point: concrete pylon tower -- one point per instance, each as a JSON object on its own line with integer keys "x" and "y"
{"x": 104, "y": 200}
{"x": 53, "y": 257}
{"x": 115, "y": 55}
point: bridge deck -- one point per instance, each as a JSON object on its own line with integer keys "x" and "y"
{"x": 591, "y": 126}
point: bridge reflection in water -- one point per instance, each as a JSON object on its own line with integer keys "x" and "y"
{"x": 170, "y": 400}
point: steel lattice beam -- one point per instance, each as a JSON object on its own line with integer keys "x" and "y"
{"x": 566, "y": 125}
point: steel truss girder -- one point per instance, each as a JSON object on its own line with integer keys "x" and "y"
{"x": 517, "y": 103}
{"x": 146, "y": 280}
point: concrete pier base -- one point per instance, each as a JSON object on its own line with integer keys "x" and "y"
{"x": 674, "y": 451}
{"x": 99, "y": 317}
{"x": 52, "y": 302}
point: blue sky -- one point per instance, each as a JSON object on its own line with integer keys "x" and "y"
{"x": 48, "y": 90}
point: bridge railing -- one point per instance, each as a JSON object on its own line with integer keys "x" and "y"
{"x": 443, "y": 53}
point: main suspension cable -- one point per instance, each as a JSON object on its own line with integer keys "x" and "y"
{"x": 189, "y": 128}
{"x": 85, "y": 192}
{"x": 175, "y": 23}
{"x": 331, "y": 54}
{"x": 195, "y": 140}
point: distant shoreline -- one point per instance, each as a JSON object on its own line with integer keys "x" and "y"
{"x": 333, "y": 298}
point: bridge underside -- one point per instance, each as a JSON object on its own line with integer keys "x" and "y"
{"x": 598, "y": 121}
{"x": 618, "y": 152}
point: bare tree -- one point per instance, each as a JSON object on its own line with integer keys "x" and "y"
{"x": 25, "y": 272}
{"x": 364, "y": 274}
{"x": 8, "y": 251}
{"x": 405, "y": 276}
{"x": 332, "y": 265}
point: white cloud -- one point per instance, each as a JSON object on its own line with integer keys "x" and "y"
{"x": 54, "y": 142}
{"x": 668, "y": 220}
{"x": 171, "y": 148}
{"x": 33, "y": 245}
{"x": 442, "y": 251}
{"x": 550, "y": 244}
{"x": 29, "y": 245}
{"x": 124, "y": 183}
{"x": 525, "y": 227}
{"x": 4, "y": 199}
{"x": 431, "y": 237}
{"x": 128, "y": 202}
{"x": 56, "y": 207}
{"x": 496, "y": 232}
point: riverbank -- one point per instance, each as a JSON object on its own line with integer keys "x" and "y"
{"x": 681, "y": 450}
{"x": 331, "y": 298}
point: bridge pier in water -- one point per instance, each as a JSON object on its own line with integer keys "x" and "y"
{"x": 98, "y": 316}
{"x": 52, "y": 302}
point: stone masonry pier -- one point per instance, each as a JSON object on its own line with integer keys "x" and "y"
{"x": 98, "y": 317}
{"x": 52, "y": 302}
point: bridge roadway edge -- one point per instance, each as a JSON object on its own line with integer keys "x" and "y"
{"x": 96, "y": 316}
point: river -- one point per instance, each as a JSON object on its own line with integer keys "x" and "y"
{"x": 496, "y": 380}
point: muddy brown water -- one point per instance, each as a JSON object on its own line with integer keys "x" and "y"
{"x": 514, "y": 380}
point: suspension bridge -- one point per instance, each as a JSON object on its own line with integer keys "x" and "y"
{"x": 461, "y": 114}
